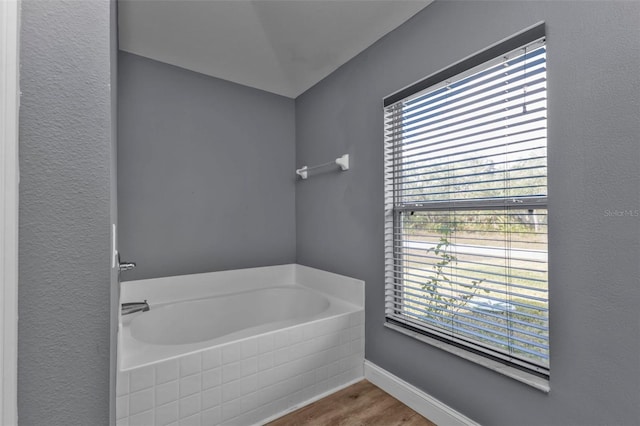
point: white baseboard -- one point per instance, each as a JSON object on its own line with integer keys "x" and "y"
{"x": 414, "y": 398}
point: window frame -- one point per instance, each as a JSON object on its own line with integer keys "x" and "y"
{"x": 534, "y": 375}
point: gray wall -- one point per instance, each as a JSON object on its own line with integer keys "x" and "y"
{"x": 594, "y": 105}
{"x": 64, "y": 246}
{"x": 205, "y": 172}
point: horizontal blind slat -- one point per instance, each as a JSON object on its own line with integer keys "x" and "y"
{"x": 514, "y": 94}
{"x": 430, "y": 95}
{"x": 493, "y": 80}
{"x": 527, "y": 302}
{"x": 447, "y": 323}
{"x": 488, "y": 318}
{"x": 532, "y": 321}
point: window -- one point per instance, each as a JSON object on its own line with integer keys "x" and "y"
{"x": 466, "y": 205}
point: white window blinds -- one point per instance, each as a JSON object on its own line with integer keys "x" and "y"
{"x": 466, "y": 209}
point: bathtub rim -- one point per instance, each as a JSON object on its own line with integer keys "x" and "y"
{"x": 207, "y": 284}
{"x": 346, "y": 295}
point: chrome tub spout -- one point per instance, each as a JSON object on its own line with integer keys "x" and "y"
{"x": 130, "y": 308}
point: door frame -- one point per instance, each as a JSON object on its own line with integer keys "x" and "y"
{"x": 9, "y": 179}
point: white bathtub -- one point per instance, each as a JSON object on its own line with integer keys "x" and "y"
{"x": 237, "y": 347}
{"x": 237, "y": 315}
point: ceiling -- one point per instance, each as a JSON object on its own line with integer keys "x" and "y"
{"x": 281, "y": 46}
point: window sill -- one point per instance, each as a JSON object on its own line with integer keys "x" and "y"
{"x": 514, "y": 373}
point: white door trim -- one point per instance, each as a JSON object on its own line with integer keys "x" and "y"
{"x": 9, "y": 177}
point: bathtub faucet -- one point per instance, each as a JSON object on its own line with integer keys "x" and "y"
{"x": 130, "y": 308}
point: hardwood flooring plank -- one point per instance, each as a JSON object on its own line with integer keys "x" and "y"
{"x": 362, "y": 404}
{"x": 395, "y": 414}
{"x": 333, "y": 407}
{"x": 370, "y": 407}
{"x": 418, "y": 420}
{"x": 312, "y": 414}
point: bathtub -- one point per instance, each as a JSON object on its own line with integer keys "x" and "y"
{"x": 237, "y": 347}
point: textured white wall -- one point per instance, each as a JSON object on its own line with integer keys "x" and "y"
{"x": 65, "y": 149}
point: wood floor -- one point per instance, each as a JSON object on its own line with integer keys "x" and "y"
{"x": 361, "y": 404}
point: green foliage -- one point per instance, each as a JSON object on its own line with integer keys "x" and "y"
{"x": 438, "y": 301}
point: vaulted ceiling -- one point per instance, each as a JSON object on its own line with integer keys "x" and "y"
{"x": 281, "y": 46}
